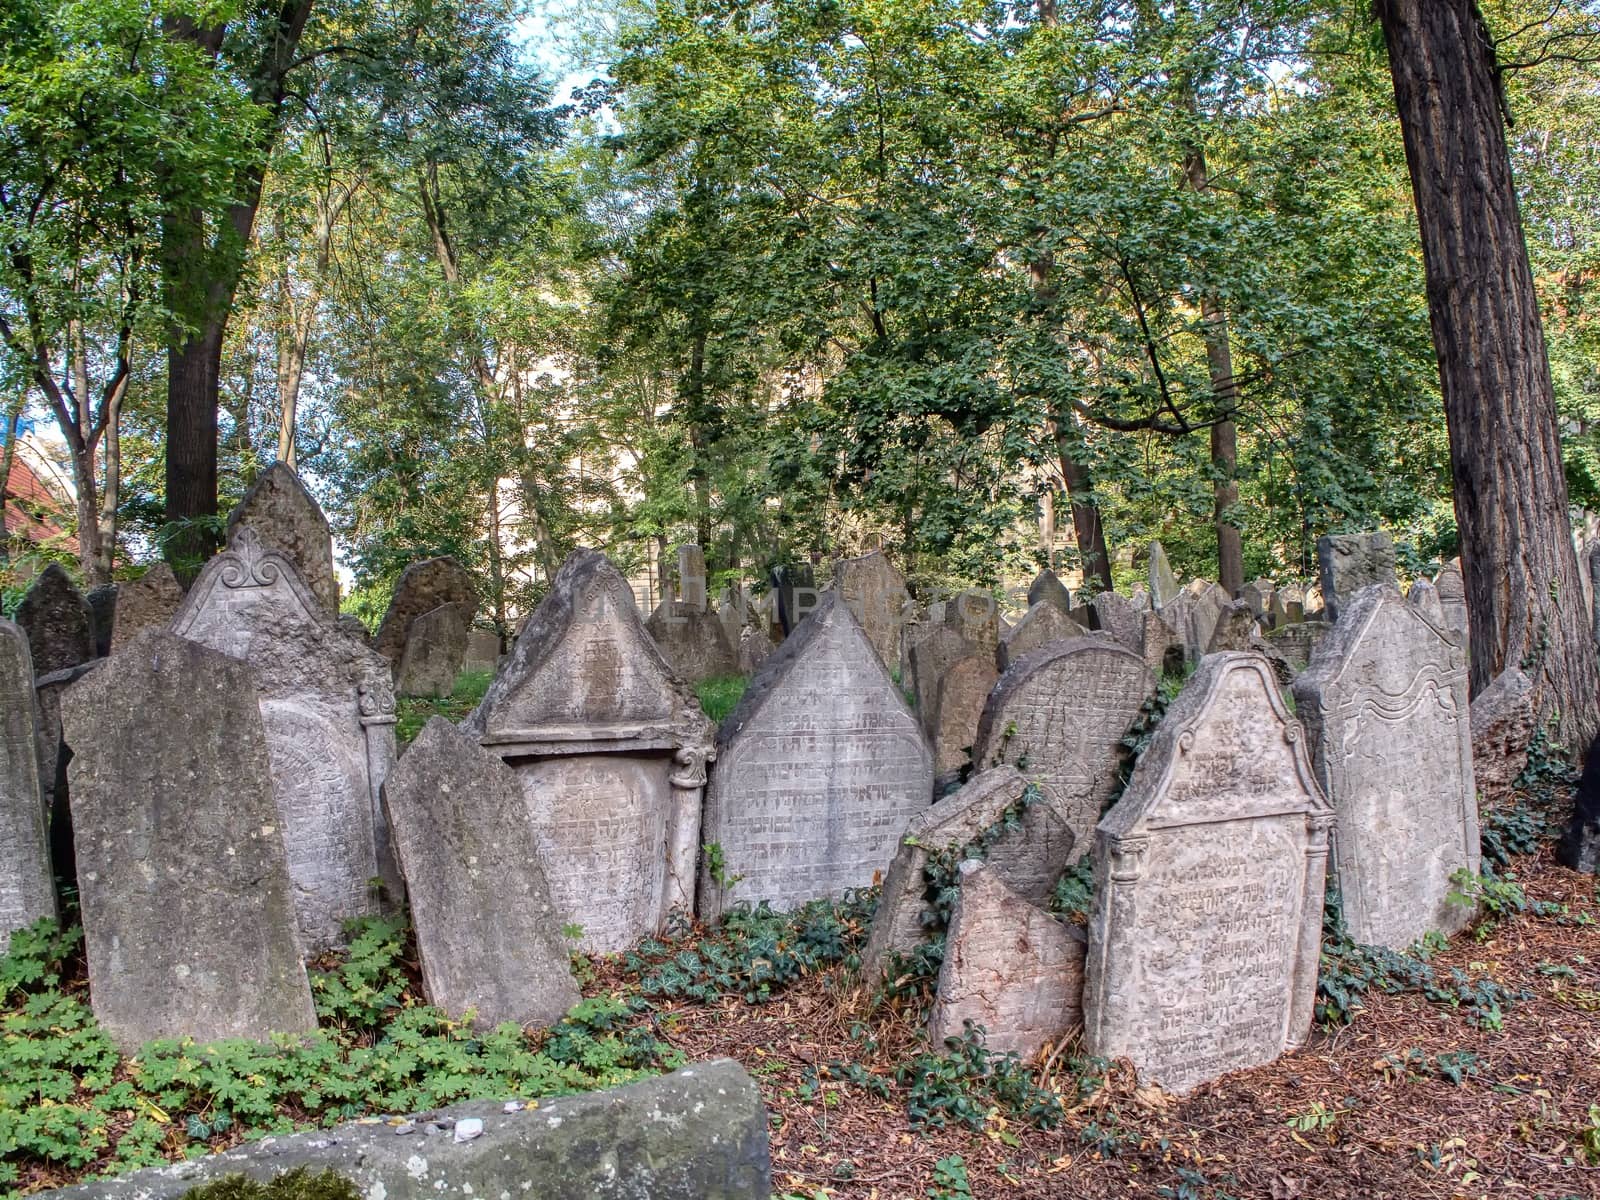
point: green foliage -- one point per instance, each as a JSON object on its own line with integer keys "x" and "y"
{"x": 369, "y": 982}
{"x": 1349, "y": 971}
{"x": 299, "y": 1184}
{"x": 719, "y": 697}
{"x": 967, "y": 1082}
{"x": 950, "y": 1179}
{"x": 1493, "y": 897}
{"x": 416, "y": 711}
{"x": 1074, "y": 892}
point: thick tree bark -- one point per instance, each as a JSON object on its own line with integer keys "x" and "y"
{"x": 1086, "y": 525}
{"x": 1524, "y": 597}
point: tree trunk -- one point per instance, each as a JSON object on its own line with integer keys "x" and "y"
{"x": 193, "y": 368}
{"x": 1090, "y": 533}
{"x": 1523, "y": 589}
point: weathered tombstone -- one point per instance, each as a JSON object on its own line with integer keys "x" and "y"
{"x": 755, "y": 648}
{"x": 1064, "y": 710}
{"x": 27, "y": 891}
{"x": 483, "y": 650}
{"x": 1349, "y": 562}
{"x": 1048, "y": 588}
{"x": 1028, "y": 856}
{"x": 1297, "y": 641}
{"x": 488, "y": 935}
{"x": 1258, "y": 595}
{"x": 1579, "y": 847}
{"x": 1041, "y": 625}
{"x": 147, "y": 602}
{"x": 54, "y": 757}
{"x": 1384, "y": 703}
{"x": 1118, "y": 617}
{"x": 103, "y": 608}
{"x": 435, "y": 651}
{"x": 1424, "y": 597}
{"x": 963, "y": 689}
{"x": 976, "y": 617}
{"x": 1163, "y": 583}
{"x": 609, "y": 747}
{"x": 1207, "y": 919}
{"x": 57, "y": 620}
{"x": 1201, "y": 622}
{"x": 286, "y": 519}
{"x": 877, "y": 596}
{"x": 1009, "y": 967}
{"x": 818, "y": 770}
{"x": 1235, "y": 628}
{"x": 327, "y": 704}
{"x": 1139, "y": 598}
{"x": 188, "y": 917}
{"x": 1312, "y": 609}
{"x": 692, "y": 577}
{"x": 423, "y": 587}
{"x": 693, "y": 642}
{"x": 1502, "y": 727}
{"x": 353, "y": 626}
{"x": 1161, "y": 646}
{"x": 929, "y": 659}
{"x": 1452, "y": 589}
{"x": 1277, "y": 610}
{"x": 733, "y": 610}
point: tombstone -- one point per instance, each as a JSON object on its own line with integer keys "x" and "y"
{"x": 1312, "y": 609}
{"x": 1579, "y": 847}
{"x": 1009, "y": 966}
{"x": 1207, "y": 919}
{"x": 188, "y": 914}
{"x": 327, "y": 704}
{"x": 795, "y": 595}
{"x": 963, "y": 689}
{"x": 755, "y": 648}
{"x": 435, "y": 651}
{"x": 609, "y": 747}
{"x": 483, "y": 650}
{"x": 1258, "y": 595}
{"x": 58, "y": 622}
{"x": 819, "y": 769}
{"x": 1502, "y": 720}
{"x": 1384, "y": 703}
{"x": 1277, "y": 610}
{"x": 929, "y": 659}
{"x": 976, "y": 617}
{"x": 286, "y": 519}
{"x": 693, "y": 642}
{"x": 423, "y": 587}
{"x": 732, "y": 610}
{"x": 1161, "y": 646}
{"x": 1028, "y": 858}
{"x": 1047, "y": 588}
{"x": 1297, "y": 642}
{"x": 876, "y": 594}
{"x": 1349, "y": 562}
{"x": 1139, "y": 598}
{"x": 1235, "y": 628}
{"x": 1062, "y": 712}
{"x": 1163, "y": 583}
{"x": 54, "y": 757}
{"x": 148, "y": 602}
{"x": 1424, "y": 597}
{"x": 1200, "y": 624}
{"x": 103, "y": 608}
{"x": 27, "y": 889}
{"x": 692, "y": 577}
{"x": 1452, "y": 589}
{"x": 1117, "y": 616}
{"x": 1040, "y": 626}
{"x": 353, "y": 626}
{"x": 488, "y": 934}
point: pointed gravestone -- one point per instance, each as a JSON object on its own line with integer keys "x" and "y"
{"x": 1046, "y": 588}
{"x": 1118, "y": 617}
{"x": 609, "y": 747}
{"x": 1163, "y": 583}
{"x": 423, "y": 587}
{"x": 27, "y": 891}
{"x": 1349, "y": 562}
{"x": 1207, "y": 918}
{"x": 488, "y": 935}
{"x": 1452, "y": 589}
{"x": 1028, "y": 856}
{"x": 1061, "y": 713}
{"x": 1040, "y": 626}
{"x": 147, "y": 602}
{"x": 436, "y": 650}
{"x": 188, "y": 917}
{"x": 1424, "y": 597}
{"x": 818, "y": 771}
{"x": 959, "y": 704}
{"x": 876, "y": 594}
{"x": 286, "y": 519}
{"x": 1009, "y": 967}
{"x": 58, "y": 621}
{"x": 1384, "y": 703}
{"x": 693, "y": 641}
{"x": 327, "y": 703}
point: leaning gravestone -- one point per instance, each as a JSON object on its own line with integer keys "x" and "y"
{"x": 818, "y": 771}
{"x": 1452, "y": 589}
{"x": 327, "y": 703}
{"x": 1235, "y": 628}
{"x": 423, "y": 587}
{"x": 188, "y": 917}
{"x": 1384, "y": 703}
{"x": 1009, "y": 967}
{"x": 1063, "y": 711}
{"x": 693, "y": 641}
{"x": 1047, "y": 588}
{"x": 1349, "y": 562}
{"x": 975, "y": 616}
{"x": 930, "y": 657}
{"x": 27, "y": 891}
{"x": 1163, "y": 583}
{"x": 1201, "y": 619}
{"x": 1028, "y": 855}
{"x": 1424, "y": 597}
{"x": 487, "y": 933}
{"x": 1161, "y": 646}
{"x": 286, "y": 519}
{"x": 147, "y": 602}
{"x": 435, "y": 652}
{"x": 58, "y": 622}
{"x": 877, "y": 596}
{"x": 1118, "y": 617}
{"x": 609, "y": 747}
{"x": 1503, "y": 722}
{"x": 1041, "y": 625}
{"x": 1207, "y": 918}
{"x": 959, "y": 704}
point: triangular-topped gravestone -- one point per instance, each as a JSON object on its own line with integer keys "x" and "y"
{"x": 818, "y": 770}
{"x": 876, "y": 593}
{"x": 609, "y": 747}
{"x": 188, "y": 917}
{"x": 1384, "y": 703}
{"x": 1042, "y": 625}
{"x": 286, "y": 518}
{"x": 423, "y": 587}
{"x": 1061, "y": 714}
{"x": 489, "y": 937}
{"x": 27, "y": 891}
{"x": 1163, "y": 583}
{"x": 1207, "y": 918}
{"x": 58, "y": 621}
{"x": 327, "y": 702}
{"x": 1047, "y": 588}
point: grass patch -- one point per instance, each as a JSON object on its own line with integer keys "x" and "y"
{"x": 414, "y": 712}
{"x": 719, "y": 697}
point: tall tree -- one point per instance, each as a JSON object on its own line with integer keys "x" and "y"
{"x": 1524, "y": 597}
